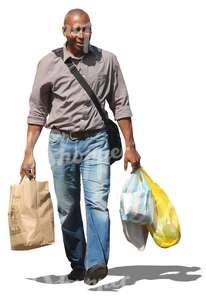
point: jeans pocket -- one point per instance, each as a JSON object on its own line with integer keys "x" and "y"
{"x": 101, "y": 134}
{"x": 54, "y": 138}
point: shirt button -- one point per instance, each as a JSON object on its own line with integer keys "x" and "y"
{"x": 88, "y": 103}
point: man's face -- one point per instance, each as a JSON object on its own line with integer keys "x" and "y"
{"x": 77, "y": 30}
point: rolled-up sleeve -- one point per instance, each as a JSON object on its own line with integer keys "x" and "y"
{"x": 40, "y": 98}
{"x": 118, "y": 98}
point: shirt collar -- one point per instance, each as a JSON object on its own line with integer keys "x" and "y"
{"x": 67, "y": 53}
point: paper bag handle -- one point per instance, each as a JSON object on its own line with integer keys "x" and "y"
{"x": 24, "y": 179}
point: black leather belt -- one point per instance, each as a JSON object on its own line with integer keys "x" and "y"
{"x": 77, "y": 134}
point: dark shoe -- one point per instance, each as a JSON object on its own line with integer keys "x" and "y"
{"x": 95, "y": 273}
{"x": 76, "y": 274}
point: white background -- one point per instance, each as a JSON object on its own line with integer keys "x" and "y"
{"x": 161, "y": 48}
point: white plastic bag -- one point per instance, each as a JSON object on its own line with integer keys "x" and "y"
{"x": 135, "y": 234}
{"x": 136, "y": 202}
{"x": 136, "y": 209}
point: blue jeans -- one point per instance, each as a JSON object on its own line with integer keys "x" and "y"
{"x": 69, "y": 159}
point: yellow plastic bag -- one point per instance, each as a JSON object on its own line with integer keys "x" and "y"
{"x": 165, "y": 230}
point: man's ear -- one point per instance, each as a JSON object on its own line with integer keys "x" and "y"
{"x": 64, "y": 29}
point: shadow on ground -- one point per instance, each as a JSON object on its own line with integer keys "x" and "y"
{"x": 132, "y": 274}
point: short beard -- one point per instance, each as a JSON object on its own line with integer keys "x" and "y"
{"x": 86, "y": 45}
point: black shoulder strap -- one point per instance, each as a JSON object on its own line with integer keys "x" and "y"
{"x": 82, "y": 81}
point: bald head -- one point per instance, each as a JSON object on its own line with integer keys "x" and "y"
{"x": 75, "y": 13}
{"x": 77, "y": 30}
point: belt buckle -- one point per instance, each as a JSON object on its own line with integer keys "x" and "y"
{"x": 72, "y": 138}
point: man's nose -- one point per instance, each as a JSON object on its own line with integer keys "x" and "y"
{"x": 81, "y": 34}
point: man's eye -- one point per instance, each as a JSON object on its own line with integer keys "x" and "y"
{"x": 75, "y": 30}
{"x": 78, "y": 29}
{"x": 87, "y": 30}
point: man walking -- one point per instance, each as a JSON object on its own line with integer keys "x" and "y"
{"x": 78, "y": 144}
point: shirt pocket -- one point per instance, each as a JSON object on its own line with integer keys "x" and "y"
{"x": 95, "y": 79}
{"x": 98, "y": 83}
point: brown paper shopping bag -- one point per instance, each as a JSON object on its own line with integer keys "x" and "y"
{"x": 30, "y": 215}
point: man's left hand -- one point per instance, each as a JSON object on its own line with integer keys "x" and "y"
{"x": 131, "y": 155}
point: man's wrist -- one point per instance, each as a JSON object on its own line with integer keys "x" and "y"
{"x": 28, "y": 152}
{"x": 130, "y": 146}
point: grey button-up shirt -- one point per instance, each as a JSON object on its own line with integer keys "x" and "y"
{"x": 58, "y": 100}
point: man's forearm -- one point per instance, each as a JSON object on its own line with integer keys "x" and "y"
{"x": 33, "y": 132}
{"x": 125, "y": 125}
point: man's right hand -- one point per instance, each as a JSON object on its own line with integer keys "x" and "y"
{"x": 28, "y": 166}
